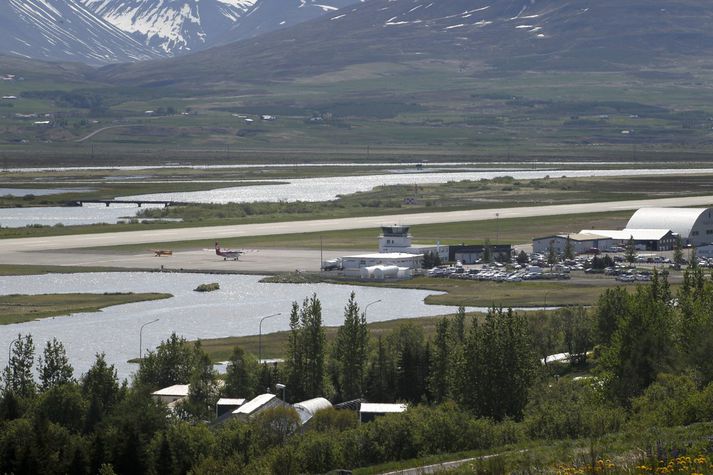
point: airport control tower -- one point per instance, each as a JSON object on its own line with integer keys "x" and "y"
{"x": 395, "y": 238}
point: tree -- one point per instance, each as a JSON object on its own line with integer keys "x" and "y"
{"x": 438, "y": 375}
{"x": 611, "y": 308}
{"x": 498, "y": 366}
{"x": 641, "y": 347}
{"x": 241, "y": 378}
{"x": 171, "y": 363}
{"x": 203, "y": 392}
{"x": 381, "y": 377}
{"x": 568, "y": 249}
{"x": 522, "y": 258}
{"x": 18, "y": 373}
{"x": 678, "y": 251}
{"x": 487, "y": 252}
{"x": 351, "y": 349}
{"x": 101, "y": 388}
{"x": 306, "y": 350}
{"x": 407, "y": 347}
{"x": 630, "y": 251}
{"x": 551, "y": 254}
{"x": 54, "y": 367}
{"x": 578, "y": 334}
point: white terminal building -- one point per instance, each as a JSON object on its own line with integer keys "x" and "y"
{"x": 397, "y": 257}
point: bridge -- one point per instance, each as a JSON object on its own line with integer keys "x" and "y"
{"x": 138, "y": 203}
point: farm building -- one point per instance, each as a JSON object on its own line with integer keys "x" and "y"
{"x": 644, "y": 239}
{"x": 172, "y": 393}
{"x": 694, "y": 225}
{"x": 580, "y": 242}
{"x": 226, "y": 405}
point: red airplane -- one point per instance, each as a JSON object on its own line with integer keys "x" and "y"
{"x": 227, "y": 253}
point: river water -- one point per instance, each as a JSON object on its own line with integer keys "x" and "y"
{"x": 302, "y": 189}
{"x": 233, "y": 310}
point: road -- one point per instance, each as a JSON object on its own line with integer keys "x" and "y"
{"x": 323, "y": 225}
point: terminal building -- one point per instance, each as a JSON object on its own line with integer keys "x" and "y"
{"x": 694, "y": 225}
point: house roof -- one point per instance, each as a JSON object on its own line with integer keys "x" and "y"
{"x": 637, "y": 234}
{"x": 254, "y": 404}
{"x": 224, "y": 401}
{"x": 582, "y": 236}
{"x": 382, "y": 408}
{"x": 175, "y": 390}
{"x": 383, "y": 255}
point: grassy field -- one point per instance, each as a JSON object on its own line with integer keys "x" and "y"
{"x": 423, "y": 111}
{"x": 515, "y": 230}
{"x": 275, "y": 344}
{"x": 25, "y": 308}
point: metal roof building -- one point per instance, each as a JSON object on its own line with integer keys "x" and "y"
{"x": 646, "y": 239}
{"x": 307, "y": 409}
{"x": 694, "y": 225}
{"x": 256, "y": 405}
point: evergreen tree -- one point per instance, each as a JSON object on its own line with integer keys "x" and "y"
{"x": 487, "y": 252}
{"x": 642, "y": 346}
{"x": 203, "y": 392}
{"x": 568, "y": 249}
{"x": 522, "y": 258}
{"x": 241, "y": 378}
{"x": 678, "y": 251}
{"x": 101, "y": 388}
{"x": 351, "y": 350}
{"x": 630, "y": 251}
{"x": 18, "y": 373}
{"x": 551, "y": 254}
{"x": 438, "y": 382}
{"x": 54, "y": 367}
{"x": 305, "y": 363}
{"x": 611, "y": 307}
{"x": 498, "y": 367}
{"x": 381, "y": 375}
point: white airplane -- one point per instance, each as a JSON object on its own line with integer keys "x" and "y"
{"x": 227, "y": 253}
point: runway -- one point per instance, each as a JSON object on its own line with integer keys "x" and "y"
{"x": 210, "y": 233}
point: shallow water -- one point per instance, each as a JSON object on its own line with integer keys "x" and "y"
{"x": 233, "y": 310}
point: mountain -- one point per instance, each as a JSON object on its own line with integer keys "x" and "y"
{"x": 507, "y": 34}
{"x": 182, "y": 26}
{"x": 64, "y": 30}
{"x": 172, "y": 27}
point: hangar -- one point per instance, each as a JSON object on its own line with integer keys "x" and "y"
{"x": 694, "y": 225}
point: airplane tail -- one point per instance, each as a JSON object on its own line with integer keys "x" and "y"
{"x": 217, "y": 248}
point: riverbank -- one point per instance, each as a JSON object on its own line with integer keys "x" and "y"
{"x": 26, "y": 308}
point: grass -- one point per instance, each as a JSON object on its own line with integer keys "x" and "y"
{"x": 17, "y": 269}
{"x": 25, "y": 308}
{"x": 513, "y": 230}
{"x": 275, "y": 344}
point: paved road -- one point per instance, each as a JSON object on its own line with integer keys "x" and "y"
{"x": 322, "y": 225}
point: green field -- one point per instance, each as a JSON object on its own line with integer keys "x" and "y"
{"x": 425, "y": 111}
{"x": 25, "y": 308}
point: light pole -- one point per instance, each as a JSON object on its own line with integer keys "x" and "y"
{"x": 369, "y": 304}
{"x": 141, "y": 335}
{"x": 259, "y": 336}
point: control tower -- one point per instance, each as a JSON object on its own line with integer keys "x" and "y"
{"x": 395, "y": 238}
